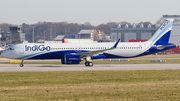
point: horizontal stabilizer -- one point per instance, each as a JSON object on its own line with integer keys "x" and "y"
{"x": 160, "y": 47}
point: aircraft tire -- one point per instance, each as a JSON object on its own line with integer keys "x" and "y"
{"x": 90, "y": 64}
{"x": 21, "y": 65}
{"x": 86, "y": 63}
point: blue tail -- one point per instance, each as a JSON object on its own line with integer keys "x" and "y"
{"x": 161, "y": 37}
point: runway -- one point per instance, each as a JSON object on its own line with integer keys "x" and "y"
{"x": 81, "y": 67}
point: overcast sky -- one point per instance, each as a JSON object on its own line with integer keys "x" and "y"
{"x": 80, "y": 11}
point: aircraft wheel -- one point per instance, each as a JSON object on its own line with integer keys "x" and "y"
{"x": 90, "y": 64}
{"x": 86, "y": 63}
{"x": 21, "y": 65}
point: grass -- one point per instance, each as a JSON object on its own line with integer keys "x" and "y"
{"x": 91, "y": 85}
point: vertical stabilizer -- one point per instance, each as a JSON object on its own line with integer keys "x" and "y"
{"x": 163, "y": 33}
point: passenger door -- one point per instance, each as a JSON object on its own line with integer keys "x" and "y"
{"x": 21, "y": 49}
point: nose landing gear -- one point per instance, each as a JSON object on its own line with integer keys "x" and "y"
{"x": 21, "y": 64}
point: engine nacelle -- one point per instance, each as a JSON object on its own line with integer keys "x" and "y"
{"x": 70, "y": 59}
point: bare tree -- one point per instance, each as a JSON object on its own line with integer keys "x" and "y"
{"x": 103, "y": 36}
{"x": 96, "y": 35}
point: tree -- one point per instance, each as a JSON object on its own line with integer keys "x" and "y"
{"x": 103, "y": 36}
{"x": 95, "y": 35}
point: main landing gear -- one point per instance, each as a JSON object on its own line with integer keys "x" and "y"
{"x": 88, "y": 61}
{"x": 90, "y": 64}
{"x": 21, "y": 64}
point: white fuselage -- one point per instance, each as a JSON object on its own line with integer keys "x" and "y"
{"x": 27, "y": 51}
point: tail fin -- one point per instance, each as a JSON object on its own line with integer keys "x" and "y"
{"x": 162, "y": 34}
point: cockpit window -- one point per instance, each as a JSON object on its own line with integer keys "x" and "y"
{"x": 10, "y": 49}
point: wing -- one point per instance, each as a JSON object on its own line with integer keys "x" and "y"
{"x": 93, "y": 53}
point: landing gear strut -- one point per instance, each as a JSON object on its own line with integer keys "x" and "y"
{"x": 21, "y": 64}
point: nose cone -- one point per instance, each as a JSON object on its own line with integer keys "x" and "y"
{"x": 4, "y": 54}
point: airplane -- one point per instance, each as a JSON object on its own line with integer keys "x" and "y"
{"x": 1, "y": 50}
{"x": 73, "y": 53}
